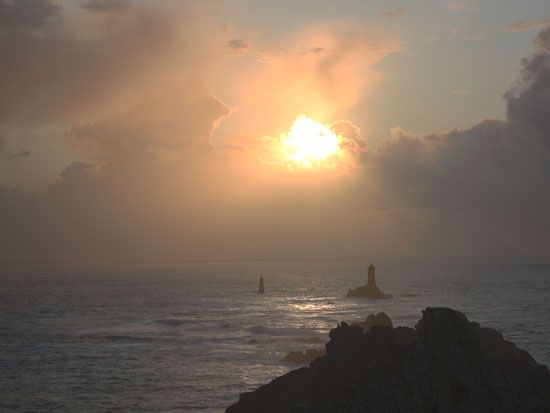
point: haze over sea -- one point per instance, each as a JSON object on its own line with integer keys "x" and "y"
{"x": 192, "y": 336}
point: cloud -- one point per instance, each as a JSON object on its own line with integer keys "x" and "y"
{"x": 155, "y": 181}
{"x": 111, "y": 62}
{"x": 320, "y": 72}
{"x": 238, "y": 46}
{"x": 18, "y": 17}
{"x": 393, "y": 13}
{"x": 167, "y": 122}
{"x": 524, "y": 25}
{"x": 106, "y": 6}
{"x": 491, "y": 180}
{"x": 542, "y": 41}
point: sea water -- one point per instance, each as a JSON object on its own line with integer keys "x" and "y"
{"x": 192, "y": 336}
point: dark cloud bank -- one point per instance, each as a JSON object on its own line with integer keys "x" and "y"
{"x": 487, "y": 187}
{"x": 483, "y": 191}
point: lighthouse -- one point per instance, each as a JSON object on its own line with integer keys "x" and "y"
{"x": 370, "y": 290}
{"x": 261, "y": 286}
{"x": 371, "y": 281}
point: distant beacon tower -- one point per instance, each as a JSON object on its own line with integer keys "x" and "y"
{"x": 261, "y": 287}
{"x": 371, "y": 283}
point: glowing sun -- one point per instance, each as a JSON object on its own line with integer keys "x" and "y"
{"x": 309, "y": 143}
{"x": 312, "y": 145}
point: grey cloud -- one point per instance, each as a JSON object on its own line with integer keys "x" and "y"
{"x": 57, "y": 75}
{"x": 238, "y": 46}
{"x": 528, "y": 102}
{"x": 133, "y": 104}
{"x": 488, "y": 185}
{"x": 493, "y": 164}
{"x": 106, "y": 6}
{"x": 543, "y": 39}
{"x": 24, "y": 16}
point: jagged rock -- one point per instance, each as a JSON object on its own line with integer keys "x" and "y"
{"x": 445, "y": 364}
{"x": 303, "y": 357}
{"x": 380, "y": 319}
{"x": 299, "y": 357}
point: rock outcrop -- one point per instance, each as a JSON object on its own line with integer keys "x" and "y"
{"x": 373, "y": 320}
{"x": 368, "y": 292}
{"x": 306, "y": 357}
{"x": 303, "y": 357}
{"x": 444, "y": 364}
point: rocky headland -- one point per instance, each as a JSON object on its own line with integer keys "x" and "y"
{"x": 445, "y": 364}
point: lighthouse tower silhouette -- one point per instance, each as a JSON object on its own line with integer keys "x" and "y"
{"x": 371, "y": 281}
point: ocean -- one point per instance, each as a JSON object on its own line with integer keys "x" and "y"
{"x": 191, "y": 336}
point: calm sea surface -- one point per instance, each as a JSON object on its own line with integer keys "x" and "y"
{"x": 191, "y": 337}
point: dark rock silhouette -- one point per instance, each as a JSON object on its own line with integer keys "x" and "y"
{"x": 306, "y": 357}
{"x": 444, "y": 364}
{"x": 380, "y": 319}
{"x": 303, "y": 357}
{"x": 370, "y": 290}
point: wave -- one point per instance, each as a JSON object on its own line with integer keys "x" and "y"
{"x": 109, "y": 338}
{"x": 173, "y": 322}
{"x": 127, "y": 338}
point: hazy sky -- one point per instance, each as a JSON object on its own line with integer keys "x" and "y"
{"x": 136, "y": 130}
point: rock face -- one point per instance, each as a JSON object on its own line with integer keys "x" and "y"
{"x": 444, "y": 364}
{"x": 303, "y": 357}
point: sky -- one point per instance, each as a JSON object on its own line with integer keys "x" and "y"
{"x": 140, "y": 130}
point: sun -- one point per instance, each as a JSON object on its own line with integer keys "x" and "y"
{"x": 309, "y": 143}
{"x": 314, "y": 146}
